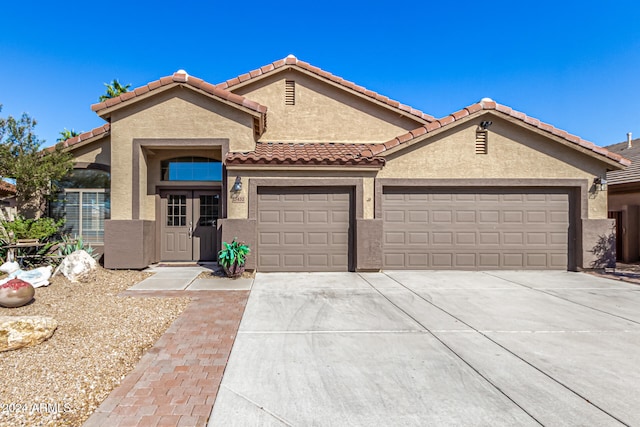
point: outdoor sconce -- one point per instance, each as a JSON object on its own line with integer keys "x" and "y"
{"x": 237, "y": 186}
{"x": 600, "y": 183}
{"x": 485, "y": 124}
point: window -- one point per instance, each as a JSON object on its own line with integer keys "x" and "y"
{"x": 191, "y": 169}
{"x": 85, "y": 204}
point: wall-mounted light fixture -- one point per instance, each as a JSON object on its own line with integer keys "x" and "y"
{"x": 485, "y": 124}
{"x": 237, "y": 185}
{"x": 600, "y": 183}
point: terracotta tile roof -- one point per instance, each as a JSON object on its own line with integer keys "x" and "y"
{"x": 292, "y": 61}
{"x": 101, "y": 131}
{"x": 181, "y": 77}
{"x": 6, "y": 187}
{"x": 489, "y": 104}
{"x": 315, "y": 154}
{"x": 632, "y": 173}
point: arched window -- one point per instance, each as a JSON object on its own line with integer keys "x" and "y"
{"x": 191, "y": 169}
{"x": 84, "y": 202}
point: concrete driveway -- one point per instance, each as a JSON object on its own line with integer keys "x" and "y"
{"x": 434, "y": 348}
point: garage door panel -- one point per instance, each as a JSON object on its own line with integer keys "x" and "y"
{"x": 488, "y": 217}
{"x": 489, "y": 238}
{"x": 293, "y": 197}
{"x": 395, "y": 216}
{"x": 269, "y": 217}
{"x": 303, "y": 231}
{"x": 465, "y": 217}
{"x": 293, "y": 217}
{"x": 442, "y": 238}
{"x": 269, "y": 238}
{"x": 317, "y": 217}
{"x": 417, "y": 238}
{"x": 489, "y": 260}
{"x": 471, "y": 229}
{"x": 465, "y": 260}
{"x": 537, "y": 260}
{"x": 466, "y": 238}
{"x": 441, "y": 260}
{"x": 293, "y": 238}
{"x": 441, "y": 217}
{"x": 558, "y": 260}
{"x": 511, "y": 260}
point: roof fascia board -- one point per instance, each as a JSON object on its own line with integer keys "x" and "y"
{"x": 85, "y": 142}
{"x": 106, "y": 113}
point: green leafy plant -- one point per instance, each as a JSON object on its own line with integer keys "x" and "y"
{"x": 233, "y": 257}
{"x": 41, "y": 228}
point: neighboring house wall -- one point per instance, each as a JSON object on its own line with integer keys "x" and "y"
{"x": 626, "y": 201}
{"x": 322, "y": 112}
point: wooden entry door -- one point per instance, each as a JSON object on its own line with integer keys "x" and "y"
{"x": 188, "y": 225}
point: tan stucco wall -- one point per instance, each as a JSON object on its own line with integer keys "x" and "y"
{"x": 96, "y": 152}
{"x": 322, "y": 113}
{"x": 513, "y": 153}
{"x": 175, "y": 114}
{"x": 239, "y": 208}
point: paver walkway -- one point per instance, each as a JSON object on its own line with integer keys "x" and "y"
{"x": 177, "y": 380}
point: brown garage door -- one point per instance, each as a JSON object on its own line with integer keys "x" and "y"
{"x": 303, "y": 230}
{"x": 475, "y": 229}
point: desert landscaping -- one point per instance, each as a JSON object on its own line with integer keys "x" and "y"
{"x": 99, "y": 339}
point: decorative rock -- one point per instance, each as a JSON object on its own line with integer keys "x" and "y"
{"x": 77, "y": 264}
{"x": 22, "y": 331}
{"x": 16, "y": 293}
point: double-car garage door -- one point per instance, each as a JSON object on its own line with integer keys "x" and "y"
{"x": 475, "y": 229}
{"x": 307, "y": 229}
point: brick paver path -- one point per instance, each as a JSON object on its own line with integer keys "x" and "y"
{"x": 176, "y": 381}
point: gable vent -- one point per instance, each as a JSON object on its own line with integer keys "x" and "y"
{"x": 289, "y": 92}
{"x": 482, "y": 137}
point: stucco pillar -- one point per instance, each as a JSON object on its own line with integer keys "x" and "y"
{"x": 244, "y": 230}
{"x": 598, "y": 244}
{"x": 368, "y": 244}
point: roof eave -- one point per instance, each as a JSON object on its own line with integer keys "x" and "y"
{"x": 105, "y": 113}
{"x": 405, "y": 141}
{"x": 245, "y": 81}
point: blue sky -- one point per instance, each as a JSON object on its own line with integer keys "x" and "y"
{"x": 572, "y": 64}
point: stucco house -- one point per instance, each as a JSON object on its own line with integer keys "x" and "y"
{"x": 624, "y": 200}
{"x": 317, "y": 173}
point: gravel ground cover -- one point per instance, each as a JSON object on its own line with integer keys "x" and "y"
{"x": 100, "y": 338}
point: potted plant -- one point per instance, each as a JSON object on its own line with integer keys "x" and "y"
{"x": 233, "y": 257}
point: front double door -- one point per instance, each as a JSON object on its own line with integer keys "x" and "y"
{"x": 188, "y": 225}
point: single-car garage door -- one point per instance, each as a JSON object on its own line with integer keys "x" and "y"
{"x": 303, "y": 229}
{"x": 475, "y": 229}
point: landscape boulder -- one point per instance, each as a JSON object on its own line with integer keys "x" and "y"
{"x": 77, "y": 265}
{"x": 22, "y": 331}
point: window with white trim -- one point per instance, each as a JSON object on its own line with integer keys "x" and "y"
{"x": 84, "y": 209}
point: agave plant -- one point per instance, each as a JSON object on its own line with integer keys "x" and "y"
{"x": 233, "y": 257}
